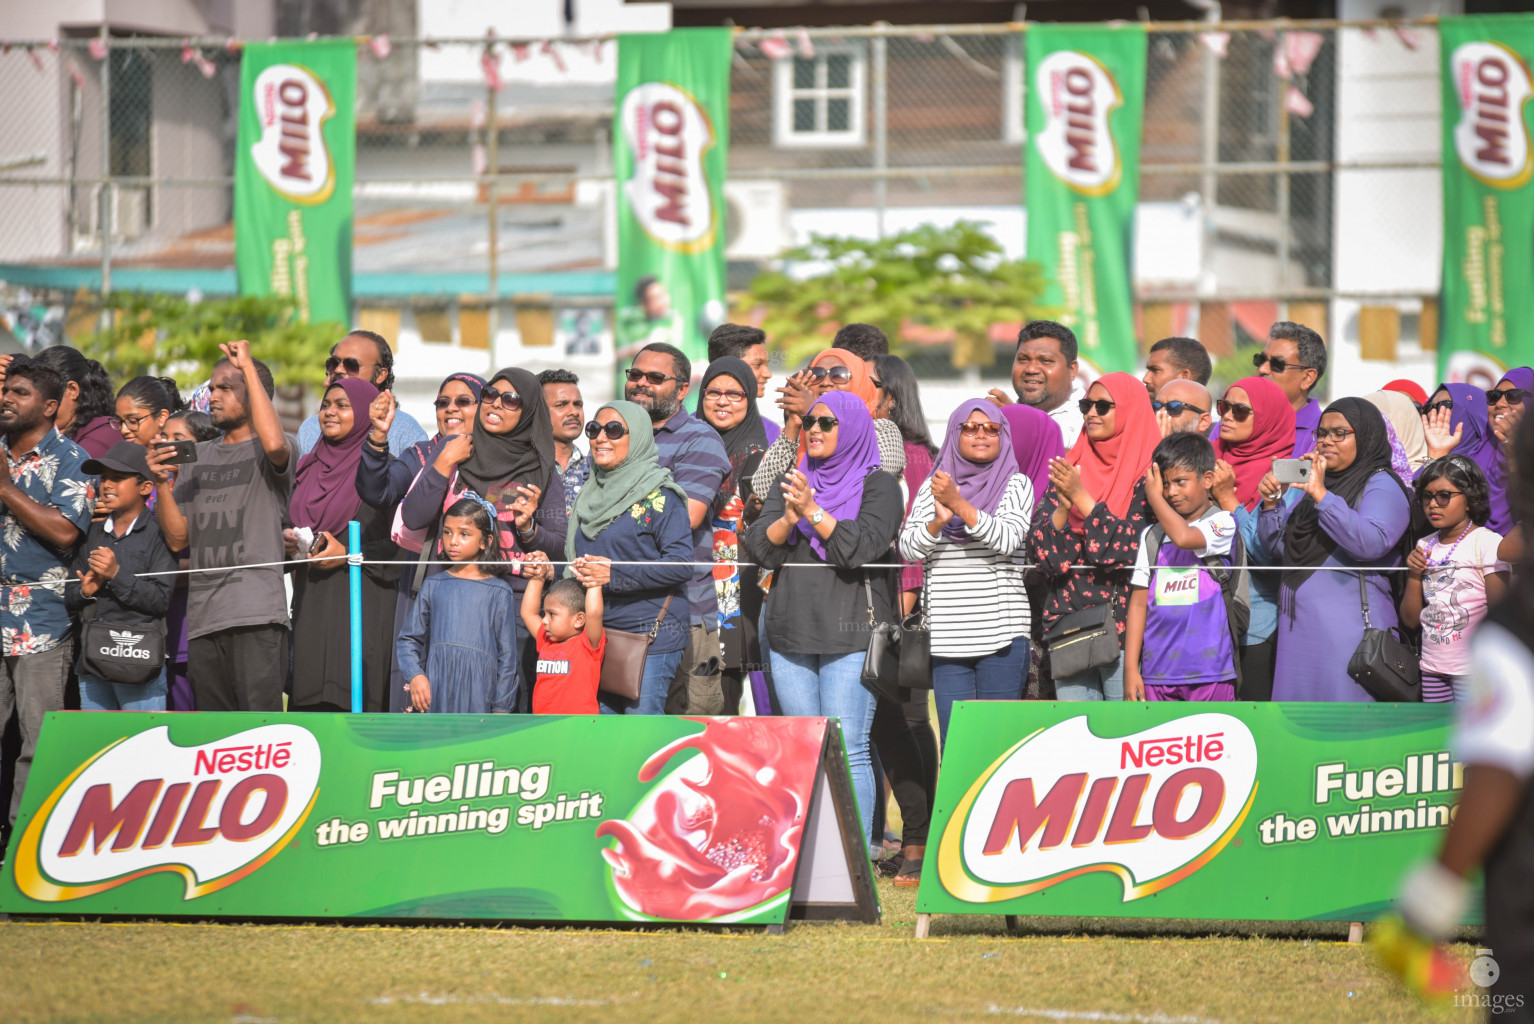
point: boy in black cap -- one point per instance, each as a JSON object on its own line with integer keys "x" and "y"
{"x": 122, "y": 637}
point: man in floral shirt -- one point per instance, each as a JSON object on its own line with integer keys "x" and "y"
{"x": 45, "y": 508}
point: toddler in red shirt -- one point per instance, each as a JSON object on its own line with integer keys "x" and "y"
{"x": 568, "y": 626}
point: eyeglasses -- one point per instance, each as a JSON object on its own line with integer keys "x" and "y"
{"x": 1177, "y": 408}
{"x": 507, "y": 399}
{"x": 352, "y": 367}
{"x": 657, "y": 379}
{"x": 1103, "y": 406}
{"x": 1440, "y": 498}
{"x": 1514, "y": 396}
{"x": 1277, "y": 363}
{"x": 612, "y": 428}
{"x": 462, "y": 401}
{"x": 837, "y": 374}
{"x": 715, "y": 394}
{"x": 1338, "y": 434}
{"x": 1432, "y": 407}
{"x": 134, "y": 422}
{"x": 969, "y": 429}
{"x": 1235, "y": 410}
{"x": 825, "y": 423}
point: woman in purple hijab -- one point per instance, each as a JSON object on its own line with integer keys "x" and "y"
{"x": 325, "y": 500}
{"x": 821, "y": 524}
{"x": 1457, "y": 419}
{"x": 968, "y": 525}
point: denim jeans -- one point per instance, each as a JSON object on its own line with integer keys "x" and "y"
{"x": 1104, "y": 683}
{"x": 996, "y": 676}
{"x": 831, "y": 685}
{"x": 653, "y": 687}
{"x": 104, "y": 695}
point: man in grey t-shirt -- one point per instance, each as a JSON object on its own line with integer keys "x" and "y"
{"x": 228, "y": 507}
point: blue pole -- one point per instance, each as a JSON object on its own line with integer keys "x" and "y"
{"x": 354, "y": 545}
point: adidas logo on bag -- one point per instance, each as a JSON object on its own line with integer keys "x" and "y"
{"x": 126, "y": 647}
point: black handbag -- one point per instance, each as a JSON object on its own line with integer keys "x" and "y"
{"x": 121, "y": 653}
{"x": 1081, "y": 640}
{"x": 1384, "y": 662}
{"x": 916, "y": 646}
{"x": 881, "y": 661}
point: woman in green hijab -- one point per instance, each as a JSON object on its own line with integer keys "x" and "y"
{"x": 632, "y": 513}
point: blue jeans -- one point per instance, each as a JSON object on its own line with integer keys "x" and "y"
{"x": 831, "y": 685}
{"x": 1104, "y": 683}
{"x": 103, "y": 695}
{"x": 659, "y": 669}
{"x": 996, "y": 676}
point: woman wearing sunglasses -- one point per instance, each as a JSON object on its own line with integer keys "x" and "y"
{"x": 1085, "y": 547}
{"x": 384, "y": 479}
{"x": 508, "y": 459}
{"x": 630, "y": 535}
{"x": 821, "y": 524}
{"x": 1256, "y": 427}
{"x": 1353, "y": 513}
{"x": 1457, "y": 419}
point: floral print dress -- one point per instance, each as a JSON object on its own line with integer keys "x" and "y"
{"x": 1091, "y": 567}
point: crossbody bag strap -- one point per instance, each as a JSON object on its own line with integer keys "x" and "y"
{"x": 427, "y": 550}
{"x": 1363, "y": 595}
{"x": 664, "y": 607}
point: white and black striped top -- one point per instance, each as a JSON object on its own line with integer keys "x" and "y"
{"x": 976, "y": 601}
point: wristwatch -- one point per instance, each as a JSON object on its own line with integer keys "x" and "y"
{"x": 816, "y": 516}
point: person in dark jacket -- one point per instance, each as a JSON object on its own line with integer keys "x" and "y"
{"x": 110, "y": 565}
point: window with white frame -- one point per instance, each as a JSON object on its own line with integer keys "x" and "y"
{"x": 821, "y": 100}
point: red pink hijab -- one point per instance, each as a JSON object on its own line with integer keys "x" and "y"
{"x": 1111, "y": 468}
{"x": 1272, "y": 437}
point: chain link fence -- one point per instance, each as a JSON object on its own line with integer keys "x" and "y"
{"x": 1274, "y": 172}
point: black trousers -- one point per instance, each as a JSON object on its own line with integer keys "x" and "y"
{"x": 902, "y": 758}
{"x": 1257, "y": 670}
{"x": 241, "y": 669}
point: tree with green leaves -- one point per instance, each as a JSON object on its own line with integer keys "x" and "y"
{"x": 156, "y": 333}
{"x": 947, "y": 278}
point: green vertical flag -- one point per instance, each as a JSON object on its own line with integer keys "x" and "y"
{"x": 669, "y": 154}
{"x": 1086, "y": 104}
{"x": 1488, "y": 206}
{"x": 293, "y": 174}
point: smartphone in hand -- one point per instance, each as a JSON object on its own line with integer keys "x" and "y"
{"x": 1292, "y": 471}
{"x": 186, "y": 451}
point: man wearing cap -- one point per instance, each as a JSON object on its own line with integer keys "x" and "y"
{"x": 114, "y": 590}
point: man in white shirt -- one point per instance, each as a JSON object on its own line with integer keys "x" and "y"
{"x": 1044, "y": 375}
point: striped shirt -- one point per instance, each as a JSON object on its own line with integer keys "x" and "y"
{"x": 976, "y": 604}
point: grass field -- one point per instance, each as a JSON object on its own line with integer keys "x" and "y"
{"x": 969, "y": 969}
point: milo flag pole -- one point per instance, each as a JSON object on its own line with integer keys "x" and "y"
{"x": 669, "y": 162}
{"x": 293, "y": 174}
{"x": 1085, "y": 106}
{"x": 1488, "y": 206}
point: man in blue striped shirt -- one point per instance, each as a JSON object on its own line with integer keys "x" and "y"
{"x": 658, "y": 382}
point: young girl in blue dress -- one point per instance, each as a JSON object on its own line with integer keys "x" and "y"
{"x": 458, "y": 652}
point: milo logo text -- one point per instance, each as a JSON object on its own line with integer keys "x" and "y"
{"x": 669, "y": 133}
{"x": 1492, "y": 137}
{"x": 1076, "y": 143}
{"x": 291, "y": 107}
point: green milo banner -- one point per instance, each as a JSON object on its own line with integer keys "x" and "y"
{"x": 1085, "y": 107}
{"x": 669, "y": 151}
{"x": 1488, "y": 206}
{"x": 294, "y": 164}
{"x": 1277, "y": 812}
{"x": 533, "y": 818}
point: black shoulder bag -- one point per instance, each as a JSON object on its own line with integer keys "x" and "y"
{"x": 1384, "y": 663}
{"x": 121, "y": 653}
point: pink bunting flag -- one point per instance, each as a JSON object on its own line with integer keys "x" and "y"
{"x": 1218, "y": 43}
{"x": 1410, "y": 37}
{"x": 379, "y": 46}
{"x": 554, "y": 55}
{"x": 776, "y": 46}
{"x": 490, "y": 65}
{"x": 37, "y": 62}
{"x": 1296, "y": 103}
{"x": 520, "y": 52}
{"x": 1301, "y": 48}
{"x": 98, "y": 48}
{"x": 806, "y": 45}
{"x": 481, "y": 161}
{"x": 476, "y": 114}
{"x": 53, "y": 45}
{"x": 79, "y": 78}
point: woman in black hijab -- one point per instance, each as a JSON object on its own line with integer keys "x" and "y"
{"x": 727, "y": 402}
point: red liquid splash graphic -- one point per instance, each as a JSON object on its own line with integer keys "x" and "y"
{"x": 726, "y": 838}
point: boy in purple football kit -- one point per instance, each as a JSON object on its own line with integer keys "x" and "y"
{"x": 1177, "y": 637}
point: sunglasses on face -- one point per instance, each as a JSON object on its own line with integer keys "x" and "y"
{"x": 1440, "y": 498}
{"x": 1277, "y": 363}
{"x": 1338, "y": 434}
{"x": 1177, "y": 408}
{"x": 352, "y": 367}
{"x": 612, "y": 428}
{"x": 656, "y": 379}
{"x": 461, "y": 401}
{"x": 825, "y": 423}
{"x": 1235, "y": 410}
{"x": 716, "y": 394}
{"x": 1104, "y": 407}
{"x": 837, "y": 374}
{"x": 1514, "y": 396}
{"x": 969, "y": 429}
{"x": 507, "y": 399}
{"x": 1432, "y": 407}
